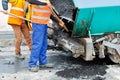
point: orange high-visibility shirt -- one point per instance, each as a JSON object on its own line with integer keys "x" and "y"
{"x": 16, "y": 9}
{"x": 40, "y": 14}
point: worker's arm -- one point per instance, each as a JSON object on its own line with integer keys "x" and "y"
{"x": 5, "y": 3}
{"x": 36, "y": 2}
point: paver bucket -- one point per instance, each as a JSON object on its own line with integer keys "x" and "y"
{"x": 97, "y": 17}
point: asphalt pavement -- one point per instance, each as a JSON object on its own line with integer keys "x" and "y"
{"x": 65, "y": 66}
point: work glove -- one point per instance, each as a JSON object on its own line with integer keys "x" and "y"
{"x": 5, "y": 4}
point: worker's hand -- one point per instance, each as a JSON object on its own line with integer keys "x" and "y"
{"x": 48, "y": 2}
{"x": 61, "y": 23}
{"x": 5, "y": 12}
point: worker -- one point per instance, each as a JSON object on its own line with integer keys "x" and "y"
{"x": 18, "y": 8}
{"x": 40, "y": 18}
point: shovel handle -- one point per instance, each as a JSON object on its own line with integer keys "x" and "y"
{"x": 53, "y": 12}
{"x": 15, "y": 15}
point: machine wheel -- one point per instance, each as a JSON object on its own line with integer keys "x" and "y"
{"x": 115, "y": 57}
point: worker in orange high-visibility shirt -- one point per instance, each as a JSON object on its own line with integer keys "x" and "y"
{"x": 18, "y": 8}
{"x": 40, "y": 17}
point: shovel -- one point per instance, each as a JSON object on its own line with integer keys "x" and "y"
{"x": 55, "y": 15}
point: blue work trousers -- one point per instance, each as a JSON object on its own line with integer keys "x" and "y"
{"x": 39, "y": 45}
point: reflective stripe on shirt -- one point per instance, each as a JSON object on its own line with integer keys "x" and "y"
{"x": 40, "y": 17}
{"x": 44, "y": 11}
{"x": 19, "y": 9}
